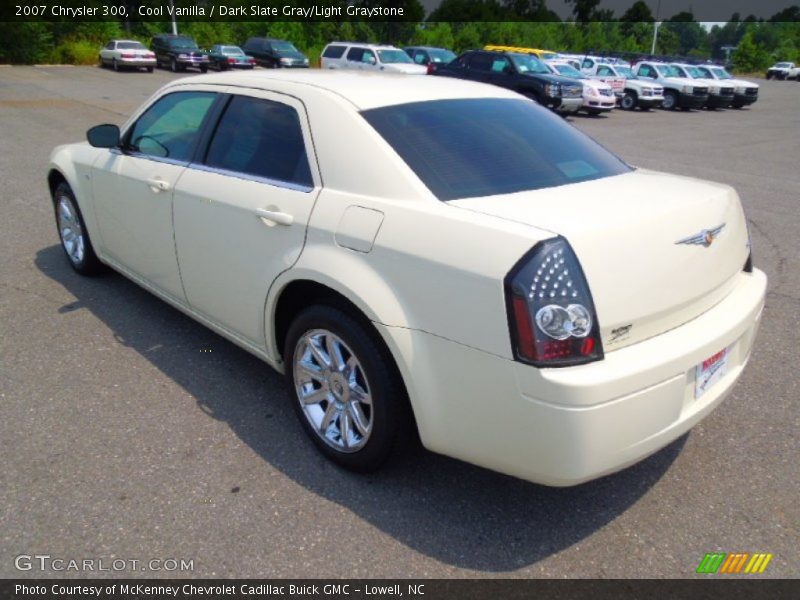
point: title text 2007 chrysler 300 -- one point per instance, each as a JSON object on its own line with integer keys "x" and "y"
{"x": 446, "y": 255}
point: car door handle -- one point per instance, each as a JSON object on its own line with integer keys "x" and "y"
{"x": 158, "y": 185}
{"x": 281, "y": 218}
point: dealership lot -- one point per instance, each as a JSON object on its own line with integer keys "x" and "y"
{"x": 128, "y": 431}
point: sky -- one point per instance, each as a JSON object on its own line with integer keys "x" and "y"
{"x": 703, "y": 10}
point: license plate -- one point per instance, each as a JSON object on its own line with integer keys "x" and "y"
{"x": 710, "y": 371}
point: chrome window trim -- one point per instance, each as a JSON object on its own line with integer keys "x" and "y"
{"x": 248, "y": 177}
{"x": 142, "y": 155}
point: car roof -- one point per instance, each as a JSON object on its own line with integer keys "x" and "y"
{"x": 364, "y": 90}
{"x": 121, "y": 40}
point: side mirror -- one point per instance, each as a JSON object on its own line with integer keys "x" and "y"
{"x": 103, "y": 136}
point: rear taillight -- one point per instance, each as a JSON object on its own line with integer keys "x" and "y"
{"x": 128, "y": 55}
{"x": 231, "y": 61}
{"x": 551, "y": 314}
{"x": 431, "y": 68}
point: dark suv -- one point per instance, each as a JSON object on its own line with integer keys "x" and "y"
{"x": 522, "y": 73}
{"x": 275, "y": 54}
{"x": 178, "y": 52}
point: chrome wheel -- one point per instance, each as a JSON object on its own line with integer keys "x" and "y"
{"x": 333, "y": 390}
{"x": 69, "y": 227}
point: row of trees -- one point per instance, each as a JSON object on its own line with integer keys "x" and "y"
{"x": 455, "y": 24}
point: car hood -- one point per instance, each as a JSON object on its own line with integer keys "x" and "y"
{"x": 627, "y": 231}
{"x": 739, "y": 83}
{"x": 681, "y": 81}
{"x": 550, "y": 78}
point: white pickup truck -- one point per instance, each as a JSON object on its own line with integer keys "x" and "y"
{"x": 744, "y": 92}
{"x": 784, "y": 70}
{"x": 679, "y": 92}
{"x": 633, "y": 91}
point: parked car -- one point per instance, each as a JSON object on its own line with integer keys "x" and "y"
{"x": 369, "y": 57}
{"x": 275, "y": 54}
{"x": 784, "y": 70}
{"x": 429, "y": 57}
{"x": 522, "y": 73}
{"x": 679, "y": 92}
{"x": 720, "y": 95}
{"x": 223, "y": 57}
{"x": 744, "y": 92}
{"x": 126, "y": 54}
{"x": 473, "y": 279}
{"x": 598, "y": 97}
{"x": 178, "y": 52}
{"x": 635, "y": 90}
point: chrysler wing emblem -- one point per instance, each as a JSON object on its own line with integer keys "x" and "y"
{"x": 705, "y": 238}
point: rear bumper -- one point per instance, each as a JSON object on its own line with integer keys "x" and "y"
{"x": 137, "y": 62}
{"x": 565, "y": 426}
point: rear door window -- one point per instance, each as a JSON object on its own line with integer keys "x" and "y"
{"x": 333, "y": 52}
{"x": 261, "y": 138}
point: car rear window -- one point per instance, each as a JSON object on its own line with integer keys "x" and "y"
{"x": 334, "y": 51}
{"x": 474, "y": 147}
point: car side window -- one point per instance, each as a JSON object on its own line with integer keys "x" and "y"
{"x": 645, "y": 71}
{"x": 333, "y": 52}
{"x": 262, "y": 138}
{"x": 500, "y": 65}
{"x": 369, "y": 57}
{"x": 587, "y": 63}
{"x": 481, "y": 62}
{"x": 420, "y": 57}
{"x": 355, "y": 54}
{"x": 110, "y": 45}
{"x": 169, "y": 128}
{"x": 604, "y": 71}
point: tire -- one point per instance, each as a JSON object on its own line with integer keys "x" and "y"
{"x": 629, "y": 101}
{"x": 173, "y": 65}
{"x": 204, "y": 69}
{"x": 670, "y": 100}
{"x": 769, "y": 76}
{"x": 100, "y": 62}
{"x": 73, "y": 233}
{"x": 149, "y": 69}
{"x": 115, "y": 64}
{"x": 363, "y": 369}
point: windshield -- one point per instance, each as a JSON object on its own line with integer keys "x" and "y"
{"x": 474, "y": 147}
{"x": 783, "y": 65}
{"x": 393, "y": 56}
{"x": 184, "y": 44}
{"x": 232, "y": 51}
{"x": 722, "y": 74}
{"x": 130, "y": 46}
{"x": 526, "y": 63}
{"x": 669, "y": 71}
{"x": 569, "y": 71}
{"x": 441, "y": 56}
{"x": 703, "y": 73}
{"x": 548, "y": 55}
{"x": 625, "y": 72}
{"x": 284, "y": 47}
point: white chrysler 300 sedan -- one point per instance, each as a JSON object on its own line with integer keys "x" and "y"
{"x": 445, "y": 256}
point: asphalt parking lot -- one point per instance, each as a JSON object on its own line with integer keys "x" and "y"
{"x": 128, "y": 431}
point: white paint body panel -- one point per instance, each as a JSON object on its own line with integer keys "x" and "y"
{"x": 430, "y": 275}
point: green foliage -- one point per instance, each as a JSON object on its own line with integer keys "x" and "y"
{"x": 749, "y": 57}
{"x": 76, "y": 52}
{"x": 25, "y": 42}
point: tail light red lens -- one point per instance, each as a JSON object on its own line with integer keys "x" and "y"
{"x": 231, "y": 61}
{"x": 552, "y": 317}
{"x": 430, "y": 68}
{"x": 128, "y": 55}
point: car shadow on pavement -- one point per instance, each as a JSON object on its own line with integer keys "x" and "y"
{"x": 449, "y": 510}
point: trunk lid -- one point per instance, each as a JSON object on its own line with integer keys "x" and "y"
{"x": 627, "y": 231}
